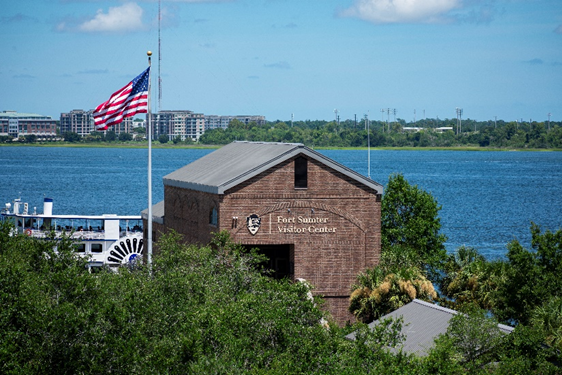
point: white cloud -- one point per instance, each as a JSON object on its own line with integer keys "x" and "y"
{"x": 127, "y": 17}
{"x": 401, "y": 11}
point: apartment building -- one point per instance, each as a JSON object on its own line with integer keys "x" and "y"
{"x": 21, "y": 124}
{"x": 82, "y": 123}
{"x": 77, "y": 121}
{"x": 216, "y": 121}
{"x": 179, "y": 123}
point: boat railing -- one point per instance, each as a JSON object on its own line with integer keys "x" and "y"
{"x": 76, "y": 235}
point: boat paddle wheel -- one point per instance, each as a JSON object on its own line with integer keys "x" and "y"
{"x": 126, "y": 251}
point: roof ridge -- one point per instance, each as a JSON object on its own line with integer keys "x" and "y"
{"x": 270, "y": 143}
{"x": 454, "y": 312}
{"x": 258, "y": 167}
{"x": 434, "y": 306}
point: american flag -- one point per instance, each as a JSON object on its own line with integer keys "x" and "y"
{"x": 126, "y": 102}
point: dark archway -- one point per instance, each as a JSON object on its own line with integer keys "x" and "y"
{"x": 281, "y": 259}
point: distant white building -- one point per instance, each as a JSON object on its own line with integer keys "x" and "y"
{"x": 188, "y": 124}
{"x": 412, "y": 129}
{"x": 77, "y": 121}
{"x": 216, "y": 121}
{"x": 82, "y": 123}
{"x": 182, "y": 123}
{"x": 172, "y": 123}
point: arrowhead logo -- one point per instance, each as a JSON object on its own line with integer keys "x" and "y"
{"x": 253, "y": 223}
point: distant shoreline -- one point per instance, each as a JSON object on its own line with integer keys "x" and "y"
{"x": 172, "y": 146}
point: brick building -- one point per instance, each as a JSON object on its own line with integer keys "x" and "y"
{"x": 16, "y": 125}
{"x": 314, "y": 218}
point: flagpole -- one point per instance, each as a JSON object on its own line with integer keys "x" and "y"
{"x": 149, "y": 132}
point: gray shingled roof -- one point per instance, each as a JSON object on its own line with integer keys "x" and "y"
{"x": 422, "y": 323}
{"x": 239, "y": 161}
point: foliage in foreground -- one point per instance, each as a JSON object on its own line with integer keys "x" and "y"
{"x": 200, "y": 310}
{"x": 524, "y": 289}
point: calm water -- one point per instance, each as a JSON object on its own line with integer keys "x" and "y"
{"x": 488, "y": 198}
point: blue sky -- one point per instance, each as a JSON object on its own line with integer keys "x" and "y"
{"x": 280, "y": 57}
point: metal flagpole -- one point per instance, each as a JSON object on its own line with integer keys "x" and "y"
{"x": 368, "y": 145}
{"x": 149, "y": 132}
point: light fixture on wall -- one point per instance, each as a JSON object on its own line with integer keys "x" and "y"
{"x": 234, "y": 221}
{"x": 288, "y": 210}
{"x": 312, "y": 210}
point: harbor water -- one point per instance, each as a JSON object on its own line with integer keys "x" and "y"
{"x": 488, "y": 198}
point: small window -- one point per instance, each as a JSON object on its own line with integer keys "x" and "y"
{"x": 81, "y": 248}
{"x": 213, "y": 217}
{"x": 301, "y": 173}
{"x": 96, "y": 248}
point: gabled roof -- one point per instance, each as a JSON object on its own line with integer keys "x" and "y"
{"x": 239, "y": 161}
{"x": 157, "y": 213}
{"x": 422, "y": 323}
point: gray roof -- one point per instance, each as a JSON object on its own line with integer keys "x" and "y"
{"x": 157, "y": 213}
{"x": 422, "y": 323}
{"x": 239, "y": 161}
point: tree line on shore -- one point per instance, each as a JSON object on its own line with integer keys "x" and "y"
{"x": 215, "y": 308}
{"x": 349, "y": 133}
{"x": 425, "y": 133}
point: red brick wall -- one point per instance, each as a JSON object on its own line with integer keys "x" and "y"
{"x": 188, "y": 213}
{"x": 330, "y": 260}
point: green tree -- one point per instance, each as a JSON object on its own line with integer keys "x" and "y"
{"x": 410, "y": 223}
{"x": 204, "y": 309}
{"x": 30, "y": 138}
{"x": 110, "y": 136}
{"x": 125, "y": 137}
{"x": 94, "y": 136}
{"x": 473, "y": 340}
{"x": 524, "y": 352}
{"x": 163, "y": 138}
{"x": 412, "y": 250}
{"x": 470, "y": 279}
{"x": 381, "y": 290}
{"x": 548, "y": 319}
{"x": 71, "y": 137}
{"x": 532, "y": 276}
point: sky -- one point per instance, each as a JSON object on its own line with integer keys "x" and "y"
{"x": 281, "y": 58}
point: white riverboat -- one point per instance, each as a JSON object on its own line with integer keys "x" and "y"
{"x": 107, "y": 240}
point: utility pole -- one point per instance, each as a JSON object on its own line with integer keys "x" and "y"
{"x": 388, "y": 119}
{"x": 382, "y": 119}
{"x": 157, "y": 125}
{"x": 548, "y": 121}
{"x": 459, "y": 120}
{"x": 495, "y": 121}
{"x": 368, "y": 146}
{"x": 292, "y": 117}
